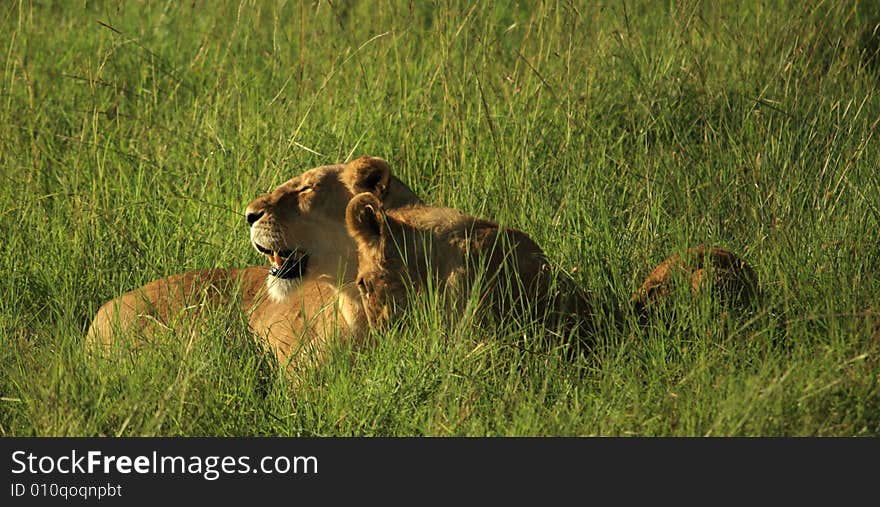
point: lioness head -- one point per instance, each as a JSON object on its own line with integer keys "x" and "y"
{"x": 381, "y": 276}
{"x": 300, "y": 226}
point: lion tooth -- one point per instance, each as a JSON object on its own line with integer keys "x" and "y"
{"x": 275, "y": 259}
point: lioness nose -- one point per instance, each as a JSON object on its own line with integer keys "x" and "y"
{"x": 253, "y": 216}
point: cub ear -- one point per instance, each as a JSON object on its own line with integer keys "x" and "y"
{"x": 367, "y": 174}
{"x": 365, "y": 221}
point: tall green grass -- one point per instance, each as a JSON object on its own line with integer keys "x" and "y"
{"x": 132, "y": 135}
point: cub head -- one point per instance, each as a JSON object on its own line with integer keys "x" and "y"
{"x": 731, "y": 278}
{"x": 300, "y": 226}
{"x": 382, "y": 277}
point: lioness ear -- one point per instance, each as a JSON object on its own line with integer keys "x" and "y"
{"x": 367, "y": 174}
{"x": 365, "y": 220}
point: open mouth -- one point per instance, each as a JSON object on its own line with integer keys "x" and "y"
{"x": 285, "y": 264}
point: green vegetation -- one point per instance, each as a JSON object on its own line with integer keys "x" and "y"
{"x": 133, "y": 134}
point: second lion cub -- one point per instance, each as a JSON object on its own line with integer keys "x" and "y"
{"x": 406, "y": 250}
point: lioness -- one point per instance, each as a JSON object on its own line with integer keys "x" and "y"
{"x": 300, "y": 228}
{"x": 413, "y": 247}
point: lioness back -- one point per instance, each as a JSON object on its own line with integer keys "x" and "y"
{"x": 401, "y": 251}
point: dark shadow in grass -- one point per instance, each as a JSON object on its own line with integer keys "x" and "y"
{"x": 869, "y": 38}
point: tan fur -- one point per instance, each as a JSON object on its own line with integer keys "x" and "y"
{"x": 176, "y": 299}
{"x": 730, "y": 277}
{"x": 406, "y": 249}
{"x": 306, "y": 214}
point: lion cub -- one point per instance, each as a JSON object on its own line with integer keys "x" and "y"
{"x": 730, "y": 277}
{"x": 406, "y": 250}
